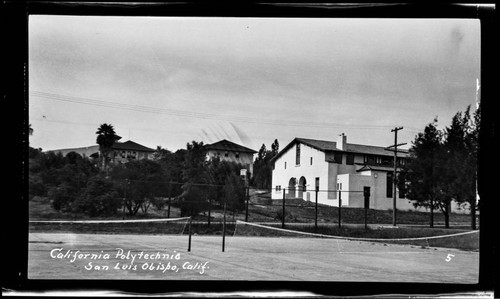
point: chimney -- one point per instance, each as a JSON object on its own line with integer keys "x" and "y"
{"x": 341, "y": 142}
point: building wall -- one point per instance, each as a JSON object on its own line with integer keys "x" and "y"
{"x": 377, "y": 181}
{"x": 124, "y": 156}
{"x": 318, "y": 168}
{"x": 83, "y": 151}
{"x": 245, "y": 159}
{"x": 330, "y": 175}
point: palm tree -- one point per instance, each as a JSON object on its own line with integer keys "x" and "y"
{"x": 106, "y": 137}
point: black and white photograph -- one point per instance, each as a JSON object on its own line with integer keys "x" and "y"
{"x": 219, "y": 148}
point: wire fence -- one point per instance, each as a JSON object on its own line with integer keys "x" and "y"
{"x": 208, "y": 202}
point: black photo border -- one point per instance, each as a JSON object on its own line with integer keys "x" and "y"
{"x": 15, "y": 16}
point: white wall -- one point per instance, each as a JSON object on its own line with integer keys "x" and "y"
{"x": 332, "y": 173}
{"x": 319, "y": 168}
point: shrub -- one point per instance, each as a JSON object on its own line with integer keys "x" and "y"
{"x": 36, "y": 187}
{"x": 61, "y": 197}
{"x": 99, "y": 198}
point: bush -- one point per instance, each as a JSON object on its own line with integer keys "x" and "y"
{"x": 279, "y": 215}
{"x": 159, "y": 202}
{"x": 61, "y": 197}
{"x": 192, "y": 202}
{"x": 36, "y": 187}
{"x": 99, "y": 198}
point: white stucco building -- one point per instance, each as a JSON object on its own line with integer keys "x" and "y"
{"x": 229, "y": 151}
{"x": 306, "y": 163}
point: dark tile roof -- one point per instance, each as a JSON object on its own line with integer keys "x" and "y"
{"x": 130, "y": 145}
{"x": 225, "y": 145}
{"x": 374, "y": 150}
{"x": 325, "y": 146}
{"x": 321, "y": 145}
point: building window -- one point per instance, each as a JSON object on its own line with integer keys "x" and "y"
{"x": 349, "y": 159}
{"x": 278, "y": 187}
{"x": 311, "y": 160}
{"x": 297, "y": 154}
{"x": 369, "y": 159}
{"x": 389, "y": 185}
{"x": 226, "y": 154}
{"x": 378, "y": 160}
{"x": 285, "y": 165}
{"x": 124, "y": 154}
{"x": 237, "y": 155}
{"x": 401, "y": 161}
{"x": 337, "y": 157}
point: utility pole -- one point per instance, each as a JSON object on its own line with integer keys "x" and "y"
{"x": 394, "y": 175}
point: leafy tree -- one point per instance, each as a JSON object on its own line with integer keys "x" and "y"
{"x": 99, "y": 198}
{"x": 172, "y": 165}
{"x": 421, "y": 173}
{"x": 106, "y": 137}
{"x": 460, "y": 163}
{"x": 442, "y": 166}
{"x": 218, "y": 172}
{"x": 234, "y": 191}
{"x": 161, "y": 153}
{"x": 192, "y": 199}
{"x": 194, "y": 166}
{"x": 61, "y": 197}
{"x": 263, "y": 167}
{"x": 63, "y": 177}
{"x": 139, "y": 182}
{"x": 275, "y": 147}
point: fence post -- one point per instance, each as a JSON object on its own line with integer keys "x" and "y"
{"x": 169, "y": 198}
{"x": 209, "y": 210}
{"x": 316, "y": 211}
{"x": 340, "y": 208}
{"x": 189, "y": 244}
{"x": 283, "y": 215}
{"x": 247, "y": 190}
{"x": 366, "y": 193}
{"x": 124, "y": 199}
{"x": 224, "y": 229}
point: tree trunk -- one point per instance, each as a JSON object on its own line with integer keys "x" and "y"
{"x": 446, "y": 213}
{"x": 432, "y": 213}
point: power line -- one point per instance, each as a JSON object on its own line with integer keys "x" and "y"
{"x": 199, "y": 115}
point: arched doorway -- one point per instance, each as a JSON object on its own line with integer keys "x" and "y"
{"x": 291, "y": 187}
{"x": 302, "y": 187}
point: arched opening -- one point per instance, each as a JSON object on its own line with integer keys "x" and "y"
{"x": 291, "y": 187}
{"x": 302, "y": 187}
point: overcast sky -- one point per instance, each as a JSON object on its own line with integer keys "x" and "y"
{"x": 168, "y": 81}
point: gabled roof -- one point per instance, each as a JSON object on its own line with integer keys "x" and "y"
{"x": 225, "y": 145}
{"x": 330, "y": 146}
{"x": 321, "y": 145}
{"x": 130, "y": 145}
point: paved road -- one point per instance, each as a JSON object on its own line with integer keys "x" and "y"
{"x": 69, "y": 256}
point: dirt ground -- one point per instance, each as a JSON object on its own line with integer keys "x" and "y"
{"x": 138, "y": 257}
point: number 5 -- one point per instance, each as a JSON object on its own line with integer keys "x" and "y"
{"x": 448, "y": 258}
